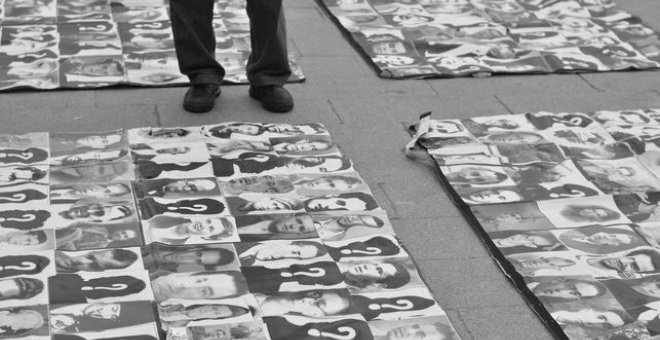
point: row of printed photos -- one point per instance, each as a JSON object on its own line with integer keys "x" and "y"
{"x": 455, "y": 14}
{"x": 16, "y": 11}
{"x": 301, "y": 264}
{"x": 98, "y": 215}
{"x": 76, "y": 208}
{"x": 542, "y": 156}
{"x": 225, "y": 142}
{"x": 89, "y": 47}
{"x": 431, "y": 38}
{"x": 480, "y": 184}
{"x": 367, "y": 264}
{"x": 573, "y": 130}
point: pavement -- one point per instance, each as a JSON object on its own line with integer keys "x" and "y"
{"x": 366, "y": 116}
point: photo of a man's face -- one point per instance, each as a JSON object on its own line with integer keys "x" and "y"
{"x": 98, "y": 213}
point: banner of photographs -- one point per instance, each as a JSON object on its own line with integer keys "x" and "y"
{"x": 48, "y": 44}
{"x": 449, "y": 38}
{"x": 570, "y": 202}
{"x": 228, "y": 231}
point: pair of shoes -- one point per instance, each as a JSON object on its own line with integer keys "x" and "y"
{"x": 200, "y": 98}
{"x": 273, "y": 98}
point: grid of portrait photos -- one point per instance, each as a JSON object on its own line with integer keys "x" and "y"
{"x": 453, "y": 38}
{"x": 228, "y": 231}
{"x": 569, "y": 204}
{"x": 49, "y": 44}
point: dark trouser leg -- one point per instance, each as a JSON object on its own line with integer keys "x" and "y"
{"x": 269, "y": 63}
{"x": 194, "y": 40}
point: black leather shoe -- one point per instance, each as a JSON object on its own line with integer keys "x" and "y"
{"x": 200, "y": 98}
{"x": 273, "y": 98}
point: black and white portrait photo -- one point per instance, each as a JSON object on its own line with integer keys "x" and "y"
{"x": 189, "y": 313}
{"x": 281, "y": 253}
{"x": 23, "y": 291}
{"x": 575, "y": 212}
{"x": 600, "y": 239}
{"x": 190, "y": 258}
{"x": 199, "y": 286}
{"x": 370, "y": 275}
{"x": 177, "y": 188}
{"x": 98, "y": 260}
{"x": 189, "y": 230}
{"x": 314, "y": 303}
{"x": 255, "y": 330}
{"x": 62, "y": 194}
{"x": 338, "y": 225}
{"x": 24, "y": 321}
{"x": 257, "y": 204}
{"x": 304, "y": 145}
{"x": 92, "y": 173}
{"x": 64, "y": 143}
{"x": 170, "y": 152}
{"x": 83, "y": 236}
{"x": 643, "y": 260}
{"x": 275, "y": 227}
{"x": 30, "y": 240}
{"x": 431, "y": 327}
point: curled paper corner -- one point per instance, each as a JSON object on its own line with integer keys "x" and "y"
{"x": 419, "y": 130}
{"x": 386, "y": 73}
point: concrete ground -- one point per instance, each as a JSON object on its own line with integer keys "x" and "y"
{"x": 366, "y": 116}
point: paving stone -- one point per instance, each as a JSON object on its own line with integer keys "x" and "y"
{"x": 78, "y": 118}
{"x": 528, "y": 85}
{"x": 433, "y": 239}
{"x": 577, "y": 102}
{"x": 618, "y": 82}
{"x": 504, "y": 323}
{"x": 23, "y": 100}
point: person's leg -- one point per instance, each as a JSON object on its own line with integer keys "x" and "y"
{"x": 268, "y": 66}
{"x": 194, "y": 40}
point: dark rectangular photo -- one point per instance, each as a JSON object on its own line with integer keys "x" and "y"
{"x": 77, "y": 288}
{"x": 98, "y": 317}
